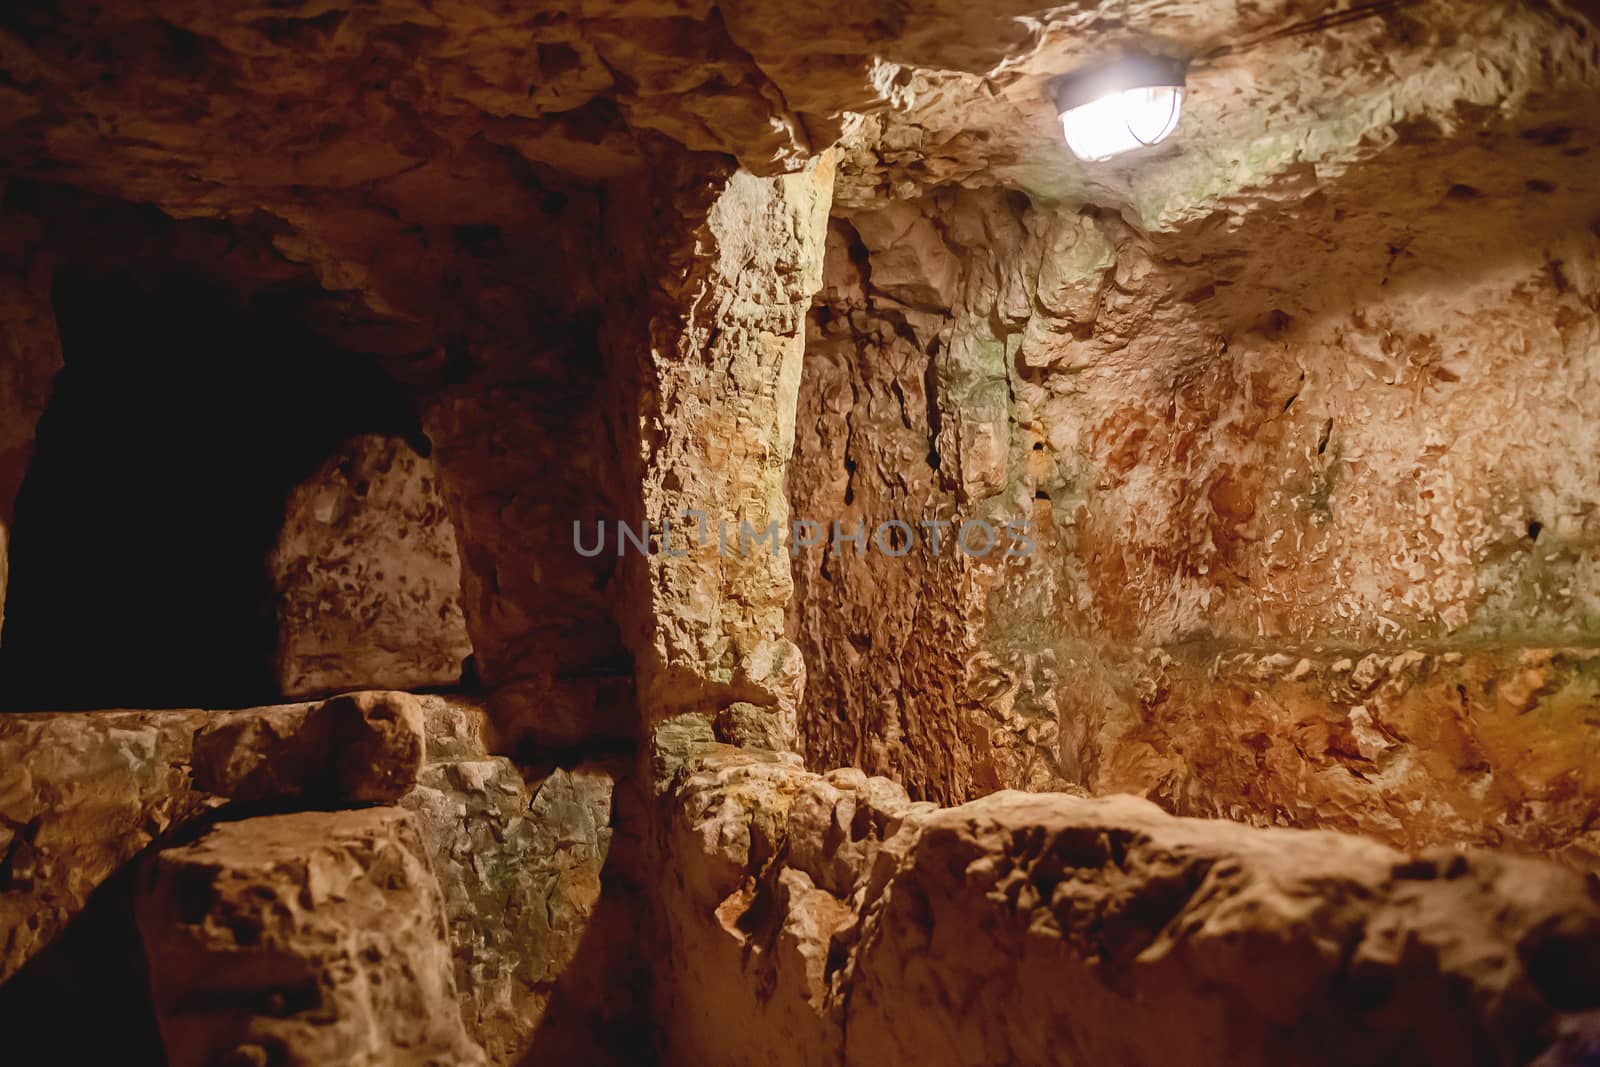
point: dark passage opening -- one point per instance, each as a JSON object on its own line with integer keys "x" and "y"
{"x": 176, "y": 429}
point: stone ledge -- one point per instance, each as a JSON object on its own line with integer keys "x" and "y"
{"x": 829, "y": 919}
{"x": 317, "y": 937}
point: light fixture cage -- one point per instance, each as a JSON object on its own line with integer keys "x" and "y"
{"x": 1131, "y": 103}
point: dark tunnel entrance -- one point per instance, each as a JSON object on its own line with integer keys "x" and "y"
{"x": 179, "y": 424}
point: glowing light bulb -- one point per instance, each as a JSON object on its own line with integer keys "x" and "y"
{"x": 1122, "y": 121}
{"x": 1133, "y": 103}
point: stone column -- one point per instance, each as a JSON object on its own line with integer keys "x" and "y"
{"x": 717, "y": 398}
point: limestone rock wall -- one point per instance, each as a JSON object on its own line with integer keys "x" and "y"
{"x": 526, "y": 443}
{"x": 367, "y": 576}
{"x": 1257, "y": 401}
{"x": 520, "y": 865}
{"x": 312, "y": 937}
{"x": 82, "y": 795}
{"x": 1287, "y": 429}
{"x": 716, "y": 411}
{"x": 828, "y": 919}
{"x": 886, "y": 628}
{"x": 85, "y": 797}
{"x": 715, "y": 347}
{"x": 1488, "y": 746}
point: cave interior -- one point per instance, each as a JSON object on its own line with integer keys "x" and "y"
{"x": 652, "y": 531}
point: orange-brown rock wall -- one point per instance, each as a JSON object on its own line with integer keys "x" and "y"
{"x": 1387, "y": 463}
{"x": 826, "y": 918}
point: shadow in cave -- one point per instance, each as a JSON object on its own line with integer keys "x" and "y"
{"x": 599, "y": 1010}
{"x": 95, "y": 963}
{"x": 177, "y": 428}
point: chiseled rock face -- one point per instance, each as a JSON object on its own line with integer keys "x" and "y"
{"x": 1333, "y": 413}
{"x": 353, "y": 748}
{"x": 318, "y": 937}
{"x": 518, "y": 864}
{"x": 831, "y": 920}
{"x": 1494, "y": 747}
{"x": 717, "y": 407}
{"x": 1115, "y": 933}
{"x": 81, "y": 795}
{"x": 749, "y": 933}
{"x": 520, "y": 868}
{"x": 378, "y": 744}
{"x": 467, "y": 117}
{"x": 522, "y": 452}
{"x": 366, "y": 576}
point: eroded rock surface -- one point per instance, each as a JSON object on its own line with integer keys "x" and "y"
{"x": 353, "y": 748}
{"x": 524, "y": 448}
{"x": 318, "y": 937}
{"x": 367, "y": 578}
{"x": 81, "y": 795}
{"x": 520, "y": 864}
{"x": 1366, "y": 449}
{"x": 857, "y": 927}
{"x": 1492, "y": 747}
{"x": 717, "y": 403}
{"x": 1314, "y": 371}
{"x": 1110, "y": 907}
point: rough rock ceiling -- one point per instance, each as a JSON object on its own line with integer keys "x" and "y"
{"x": 1266, "y": 106}
{"x": 469, "y": 113}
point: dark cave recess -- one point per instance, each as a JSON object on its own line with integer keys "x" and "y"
{"x": 181, "y": 420}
